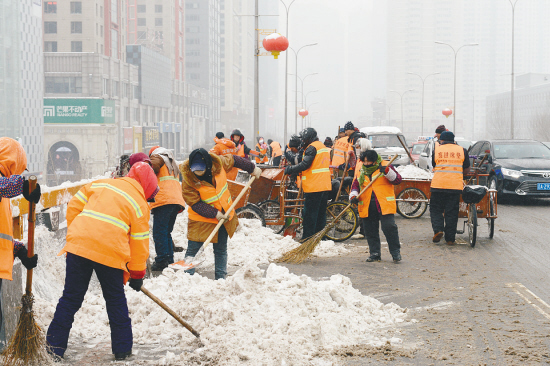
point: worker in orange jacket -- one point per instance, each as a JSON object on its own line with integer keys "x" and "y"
{"x": 108, "y": 233}
{"x": 261, "y": 148}
{"x": 225, "y": 146}
{"x": 168, "y": 204}
{"x": 275, "y": 152}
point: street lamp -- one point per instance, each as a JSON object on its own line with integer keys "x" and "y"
{"x": 423, "y": 81}
{"x": 512, "y": 90}
{"x": 286, "y": 72}
{"x": 308, "y": 93}
{"x": 401, "y": 95}
{"x": 389, "y": 112}
{"x": 296, "y": 53}
{"x": 309, "y": 115}
{"x": 303, "y": 81}
{"x": 454, "y": 96}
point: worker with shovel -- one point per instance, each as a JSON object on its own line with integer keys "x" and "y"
{"x": 204, "y": 188}
{"x": 108, "y": 233}
{"x": 377, "y": 205}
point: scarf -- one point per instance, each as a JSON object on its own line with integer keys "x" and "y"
{"x": 368, "y": 170}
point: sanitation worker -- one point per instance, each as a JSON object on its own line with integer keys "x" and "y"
{"x": 225, "y": 146}
{"x": 275, "y": 152}
{"x": 168, "y": 204}
{"x": 316, "y": 181}
{"x": 377, "y": 205}
{"x": 242, "y": 150}
{"x": 261, "y": 148}
{"x": 342, "y": 147}
{"x": 204, "y": 188}
{"x": 451, "y": 166}
{"x": 13, "y": 162}
{"x": 108, "y": 233}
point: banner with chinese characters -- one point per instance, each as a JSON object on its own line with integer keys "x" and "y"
{"x": 77, "y": 111}
{"x": 151, "y": 137}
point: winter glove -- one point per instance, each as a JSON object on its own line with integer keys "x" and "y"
{"x": 390, "y": 174}
{"x": 288, "y": 170}
{"x": 220, "y": 216}
{"x": 29, "y": 263}
{"x": 354, "y": 201}
{"x": 34, "y": 196}
{"x": 257, "y": 173}
{"x": 262, "y": 156}
{"x": 136, "y": 283}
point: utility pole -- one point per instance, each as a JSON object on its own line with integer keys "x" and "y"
{"x": 256, "y": 75}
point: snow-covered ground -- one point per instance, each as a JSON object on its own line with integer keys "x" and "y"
{"x": 254, "y": 317}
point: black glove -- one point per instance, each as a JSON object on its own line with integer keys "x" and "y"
{"x": 29, "y": 263}
{"x": 354, "y": 200}
{"x": 34, "y": 196}
{"x": 136, "y": 284}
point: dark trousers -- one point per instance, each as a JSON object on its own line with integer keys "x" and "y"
{"x": 164, "y": 218}
{"x": 448, "y": 204}
{"x": 372, "y": 225}
{"x": 276, "y": 161}
{"x": 314, "y": 215}
{"x": 78, "y": 274}
{"x": 220, "y": 253}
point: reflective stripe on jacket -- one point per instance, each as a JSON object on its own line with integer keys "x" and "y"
{"x": 384, "y": 192}
{"x": 448, "y": 171}
{"x": 169, "y": 189}
{"x": 341, "y": 147}
{"x": 218, "y": 197}
{"x": 108, "y": 223}
{"x": 6, "y": 239}
{"x": 317, "y": 177}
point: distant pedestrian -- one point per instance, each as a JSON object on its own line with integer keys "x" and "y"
{"x": 242, "y": 150}
{"x": 261, "y": 148}
{"x": 451, "y": 165}
{"x": 275, "y": 152}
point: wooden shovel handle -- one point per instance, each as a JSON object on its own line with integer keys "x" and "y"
{"x": 343, "y": 176}
{"x": 30, "y": 236}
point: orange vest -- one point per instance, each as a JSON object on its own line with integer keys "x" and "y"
{"x": 276, "y": 148}
{"x": 358, "y": 166}
{"x": 263, "y": 152}
{"x": 6, "y": 239}
{"x": 316, "y": 178}
{"x": 224, "y": 147}
{"x": 218, "y": 197}
{"x": 341, "y": 147}
{"x": 240, "y": 151}
{"x": 448, "y": 172}
{"x": 384, "y": 192}
{"x": 169, "y": 189}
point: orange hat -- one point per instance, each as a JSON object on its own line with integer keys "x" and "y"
{"x": 153, "y": 149}
{"x": 144, "y": 174}
{"x": 13, "y": 159}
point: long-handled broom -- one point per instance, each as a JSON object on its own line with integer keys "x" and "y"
{"x": 28, "y": 345}
{"x": 299, "y": 254}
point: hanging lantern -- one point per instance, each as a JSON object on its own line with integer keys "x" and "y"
{"x": 447, "y": 112}
{"x": 303, "y": 113}
{"x": 275, "y": 43}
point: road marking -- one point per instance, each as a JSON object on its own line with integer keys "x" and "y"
{"x": 516, "y": 287}
{"x": 437, "y": 305}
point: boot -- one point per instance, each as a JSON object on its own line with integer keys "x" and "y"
{"x": 122, "y": 356}
{"x": 159, "y": 266}
{"x": 374, "y": 258}
{"x": 437, "y": 237}
{"x": 177, "y": 249}
{"x": 397, "y": 258}
{"x": 451, "y": 243}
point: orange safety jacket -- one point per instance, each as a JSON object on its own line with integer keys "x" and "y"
{"x": 108, "y": 223}
{"x": 341, "y": 147}
{"x": 384, "y": 191}
{"x": 262, "y": 152}
{"x": 218, "y": 197}
{"x": 169, "y": 189}
{"x": 276, "y": 148}
{"x": 358, "y": 166}
{"x": 224, "y": 146}
{"x": 448, "y": 171}
{"x": 316, "y": 178}
{"x": 6, "y": 239}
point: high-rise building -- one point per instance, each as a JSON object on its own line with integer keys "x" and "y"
{"x": 21, "y": 77}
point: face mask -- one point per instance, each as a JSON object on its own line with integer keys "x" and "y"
{"x": 261, "y": 141}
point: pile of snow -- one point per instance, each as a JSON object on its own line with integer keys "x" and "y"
{"x": 380, "y": 130}
{"x": 413, "y": 172}
{"x": 254, "y": 317}
{"x": 68, "y": 184}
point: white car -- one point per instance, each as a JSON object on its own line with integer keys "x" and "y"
{"x": 425, "y": 159}
{"x": 385, "y": 140}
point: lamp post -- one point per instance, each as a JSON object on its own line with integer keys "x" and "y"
{"x": 423, "y": 82}
{"x": 303, "y": 81}
{"x": 401, "y": 95}
{"x": 454, "y": 96}
{"x": 512, "y": 89}
{"x": 389, "y": 112}
{"x": 296, "y": 53}
{"x": 286, "y": 72}
{"x": 309, "y": 115}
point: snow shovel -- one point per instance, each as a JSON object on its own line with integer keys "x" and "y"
{"x": 190, "y": 262}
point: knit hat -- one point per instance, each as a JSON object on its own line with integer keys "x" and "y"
{"x": 447, "y": 136}
{"x": 139, "y": 157}
{"x": 328, "y": 142}
{"x": 146, "y": 177}
{"x": 341, "y": 130}
{"x": 220, "y": 135}
{"x": 349, "y": 126}
{"x": 440, "y": 129}
{"x": 153, "y": 149}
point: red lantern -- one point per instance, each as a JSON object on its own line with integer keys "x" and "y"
{"x": 303, "y": 113}
{"x": 447, "y": 112}
{"x": 275, "y": 43}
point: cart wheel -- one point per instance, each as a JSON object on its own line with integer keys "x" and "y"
{"x": 346, "y": 226}
{"x": 272, "y": 211}
{"x": 409, "y": 207}
{"x": 251, "y": 211}
{"x": 472, "y": 224}
{"x": 491, "y": 222}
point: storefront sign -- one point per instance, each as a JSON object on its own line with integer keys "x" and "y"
{"x": 77, "y": 111}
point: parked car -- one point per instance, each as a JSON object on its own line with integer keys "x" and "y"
{"x": 464, "y": 143}
{"x": 416, "y": 149}
{"x": 385, "y": 140}
{"x": 515, "y": 167}
{"x": 425, "y": 158}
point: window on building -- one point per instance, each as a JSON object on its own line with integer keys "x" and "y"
{"x": 141, "y": 22}
{"x": 76, "y": 46}
{"x": 141, "y": 35}
{"x": 50, "y": 46}
{"x": 101, "y": 30}
{"x": 63, "y": 85}
{"x": 141, "y": 8}
{"x": 105, "y": 86}
{"x": 50, "y": 27}
{"x": 159, "y": 116}
{"x": 115, "y": 89}
{"x": 127, "y": 114}
{"x": 114, "y": 11}
{"x": 158, "y": 22}
{"x": 114, "y": 43}
{"x": 136, "y": 92}
{"x": 124, "y": 89}
{"x": 192, "y": 5}
{"x": 158, "y": 8}
{"x": 76, "y": 7}
{"x": 50, "y": 7}
{"x": 96, "y": 10}
{"x": 76, "y": 27}
{"x": 136, "y": 114}
{"x": 101, "y": 10}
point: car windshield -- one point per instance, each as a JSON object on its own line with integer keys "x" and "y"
{"x": 464, "y": 143}
{"x": 386, "y": 141}
{"x": 417, "y": 149}
{"x": 522, "y": 151}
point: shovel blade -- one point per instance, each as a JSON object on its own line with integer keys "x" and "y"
{"x": 183, "y": 264}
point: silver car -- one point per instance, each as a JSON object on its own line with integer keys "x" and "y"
{"x": 385, "y": 140}
{"x": 425, "y": 159}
